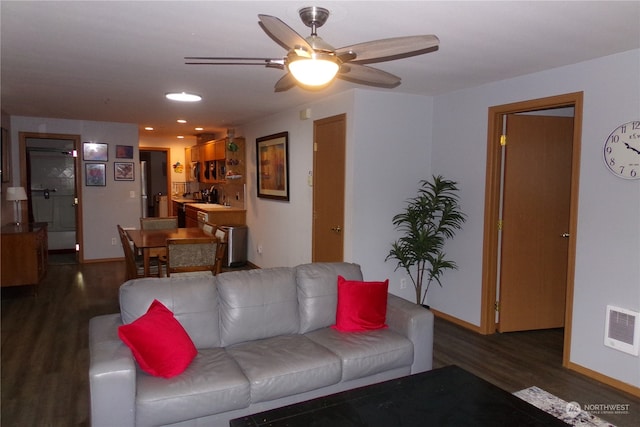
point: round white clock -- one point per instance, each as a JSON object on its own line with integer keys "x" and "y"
{"x": 622, "y": 151}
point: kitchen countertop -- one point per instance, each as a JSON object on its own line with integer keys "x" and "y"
{"x": 209, "y": 207}
{"x": 212, "y": 207}
{"x": 183, "y": 199}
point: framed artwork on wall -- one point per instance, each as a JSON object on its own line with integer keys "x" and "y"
{"x": 273, "y": 166}
{"x": 95, "y": 174}
{"x": 123, "y": 171}
{"x": 95, "y": 151}
{"x": 124, "y": 152}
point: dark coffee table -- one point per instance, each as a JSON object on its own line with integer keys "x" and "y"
{"x": 447, "y": 396}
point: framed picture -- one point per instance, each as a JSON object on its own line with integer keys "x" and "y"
{"x": 124, "y": 152}
{"x": 123, "y": 171}
{"x": 95, "y": 174}
{"x": 273, "y": 166}
{"x": 4, "y": 156}
{"x": 95, "y": 151}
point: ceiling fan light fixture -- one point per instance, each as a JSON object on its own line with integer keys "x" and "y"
{"x": 183, "y": 97}
{"x": 315, "y": 71}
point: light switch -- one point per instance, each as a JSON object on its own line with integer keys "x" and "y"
{"x": 132, "y": 194}
{"x": 305, "y": 114}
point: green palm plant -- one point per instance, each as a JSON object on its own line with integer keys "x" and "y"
{"x": 429, "y": 219}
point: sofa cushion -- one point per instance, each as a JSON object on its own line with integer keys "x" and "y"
{"x": 158, "y": 342}
{"x": 285, "y": 365}
{"x": 257, "y": 304}
{"x": 318, "y": 292}
{"x": 213, "y": 383}
{"x": 362, "y": 306}
{"x": 366, "y": 353}
{"x": 193, "y": 301}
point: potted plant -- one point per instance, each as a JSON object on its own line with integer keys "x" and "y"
{"x": 428, "y": 220}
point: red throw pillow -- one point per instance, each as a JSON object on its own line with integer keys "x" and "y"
{"x": 158, "y": 341}
{"x": 362, "y": 306}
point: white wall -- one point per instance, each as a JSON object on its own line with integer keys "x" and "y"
{"x": 391, "y": 153}
{"x": 388, "y": 145}
{"x": 283, "y": 229}
{"x": 98, "y": 214}
{"x": 607, "y": 267}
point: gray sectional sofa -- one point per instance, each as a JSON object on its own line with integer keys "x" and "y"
{"x": 264, "y": 340}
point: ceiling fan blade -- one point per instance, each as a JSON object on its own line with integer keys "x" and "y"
{"x": 389, "y": 49}
{"x": 370, "y": 76}
{"x": 285, "y": 83}
{"x": 282, "y": 34}
{"x": 230, "y": 60}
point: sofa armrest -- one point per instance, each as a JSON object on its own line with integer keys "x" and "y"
{"x": 112, "y": 374}
{"x": 416, "y": 323}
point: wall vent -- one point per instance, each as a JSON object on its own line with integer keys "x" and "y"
{"x": 622, "y": 330}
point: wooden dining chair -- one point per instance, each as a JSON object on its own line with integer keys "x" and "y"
{"x": 194, "y": 255}
{"x": 221, "y": 235}
{"x": 134, "y": 263}
{"x": 159, "y": 223}
{"x": 209, "y": 228}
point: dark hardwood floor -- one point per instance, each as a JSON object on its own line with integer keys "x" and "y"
{"x": 517, "y": 360}
{"x": 45, "y": 356}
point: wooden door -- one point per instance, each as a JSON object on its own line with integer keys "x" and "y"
{"x": 537, "y": 189}
{"x": 329, "y": 136}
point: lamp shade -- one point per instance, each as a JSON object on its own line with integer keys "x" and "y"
{"x": 16, "y": 194}
{"x": 314, "y": 71}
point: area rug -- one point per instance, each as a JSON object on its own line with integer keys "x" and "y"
{"x": 569, "y": 412}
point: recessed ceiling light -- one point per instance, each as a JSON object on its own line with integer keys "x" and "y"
{"x": 181, "y": 121}
{"x": 183, "y": 97}
{"x": 199, "y": 128}
{"x": 148, "y": 128}
{"x": 180, "y": 137}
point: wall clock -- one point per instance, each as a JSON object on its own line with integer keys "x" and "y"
{"x": 622, "y": 151}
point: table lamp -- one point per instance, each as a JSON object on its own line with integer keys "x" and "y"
{"x": 16, "y": 194}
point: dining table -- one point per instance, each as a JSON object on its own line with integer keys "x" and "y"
{"x": 153, "y": 243}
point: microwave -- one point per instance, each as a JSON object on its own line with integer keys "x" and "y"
{"x": 195, "y": 171}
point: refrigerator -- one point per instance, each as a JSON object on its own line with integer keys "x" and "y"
{"x": 143, "y": 190}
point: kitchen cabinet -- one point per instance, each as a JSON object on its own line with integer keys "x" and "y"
{"x": 191, "y": 216}
{"x": 220, "y": 150}
{"x": 195, "y": 153}
{"x": 219, "y": 161}
{"x": 24, "y": 254}
{"x": 216, "y": 215}
{"x": 209, "y": 151}
{"x": 213, "y": 150}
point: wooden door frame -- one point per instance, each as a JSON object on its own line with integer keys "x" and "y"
{"x": 492, "y": 202}
{"x": 23, "y": 136}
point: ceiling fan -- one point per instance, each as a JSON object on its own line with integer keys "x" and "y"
{"x": 312, "y": 62}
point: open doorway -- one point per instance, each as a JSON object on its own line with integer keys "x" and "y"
{"x": 156, "y": 181}
{"x": 495, "y": 205}
{"x": 49, "y": 172}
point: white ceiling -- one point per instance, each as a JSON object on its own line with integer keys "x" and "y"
{"x": 114, "y": 61}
